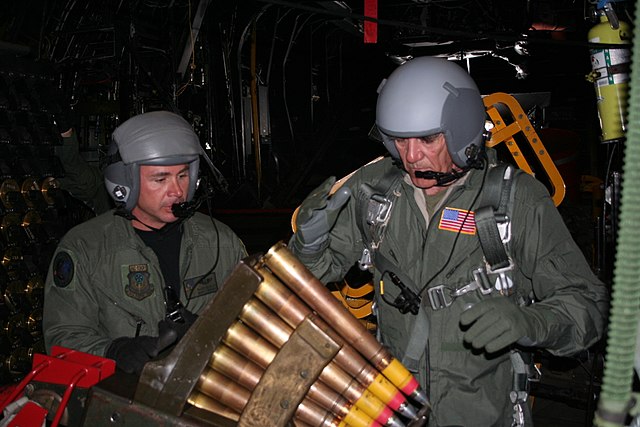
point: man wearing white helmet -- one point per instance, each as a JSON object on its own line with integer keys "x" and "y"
{"x": 417, "y": 220}
{"x": 130, "y": 282}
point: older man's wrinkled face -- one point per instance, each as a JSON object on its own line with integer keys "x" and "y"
{"x": 425, "y": 154}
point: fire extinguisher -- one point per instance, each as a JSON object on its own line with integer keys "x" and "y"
{"x": 610, "y": 72}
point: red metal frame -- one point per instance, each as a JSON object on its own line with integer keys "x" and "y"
{"x": 63, "y": 367}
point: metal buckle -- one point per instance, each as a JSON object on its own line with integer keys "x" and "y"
{"x": 472, "y": 286}
{"x": 173, "y": 306}
{"x": 504, "y": 227}
{"x": 439, "y": 298}
{"x": 534, "y": 373}
{"x": 518, "y": 415}
{"x": 500, "y": 270}
{"x": 482, "y": 279}
{"x": 365, "y": 263}
{"x": 504, "y": 284}
{"x": 379, "y": 209}
{"x": 175, "y": 316}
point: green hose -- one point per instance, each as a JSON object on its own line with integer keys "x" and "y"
{"x": 615, "y": 398}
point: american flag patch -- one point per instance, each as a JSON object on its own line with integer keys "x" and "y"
{"x": 458, "y": 220}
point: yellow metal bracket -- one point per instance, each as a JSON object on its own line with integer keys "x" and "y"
{"x": 505, "y": 130}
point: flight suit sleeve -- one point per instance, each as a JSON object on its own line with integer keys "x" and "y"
{"x": 566, "y": 293}
{"x": 232, "y": 248}
{"x": 82, "y": 180}
{"x": 71, "y": 309}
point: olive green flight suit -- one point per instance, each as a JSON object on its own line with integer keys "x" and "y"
{"x": 104, "y": 282}
{"x": 467, "y": 387}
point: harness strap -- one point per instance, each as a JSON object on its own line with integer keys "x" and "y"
{"x": 363, "y": 195}
{"x": 495, "y": 204}
{"x": 520, "y": 377}
{"x": 524, "y": 373}
{"x": 417, "y": 343}
{"x": 373, "y": 210}
{"x": 489, "y": 236}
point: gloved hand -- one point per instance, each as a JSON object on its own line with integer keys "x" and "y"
{"x": 317, "y": 216}
{"x": 63, "y": 119}
{"x": 132, "y": 353}
{"x": 56, "y": 104}
{"x": 498, "y": 322}
{"x": 180, "y": 326}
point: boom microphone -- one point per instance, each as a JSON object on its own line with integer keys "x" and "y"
{"x": 442, "y": 178}
{"x": 185, "y": 209}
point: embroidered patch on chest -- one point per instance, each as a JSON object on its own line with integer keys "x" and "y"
{"x": 457, "y": 220}
{"x": 198, "y": 286}
{"x": 139, "y": 286}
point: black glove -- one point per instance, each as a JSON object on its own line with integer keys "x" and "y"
{"x": 131, "y": 354}
{"x": 180, "y": 325}
{"x": 56, "y": 104}
{"x": 63, "y": 120}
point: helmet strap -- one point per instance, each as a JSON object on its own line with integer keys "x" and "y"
{"x": 443, "y": 178}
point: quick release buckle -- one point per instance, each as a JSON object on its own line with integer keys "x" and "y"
{"x": 503, "y": 282}
{"x": 378, "y": 209}
{"x": 439, "y": 297}
{"x": 504, "y": 227}
{"x": 173, "y": 306}
{"x": 365, "y": 262}
{"x": 482, "y": 280}
{"x": 378, "y": 213}
{"x": 175, "y": 316}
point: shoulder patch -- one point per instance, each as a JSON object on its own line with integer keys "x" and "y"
{"x": 63, "y": 269}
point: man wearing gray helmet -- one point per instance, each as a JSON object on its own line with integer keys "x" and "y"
{"x": 418, "y": 220}
{"x": 130, "y": 282}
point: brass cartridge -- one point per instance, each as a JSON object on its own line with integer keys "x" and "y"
{"x": 302, "y": 282}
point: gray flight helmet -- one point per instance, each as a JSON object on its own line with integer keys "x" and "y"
{"x": 426, "y": 96}
{"x": 160, "y": 138}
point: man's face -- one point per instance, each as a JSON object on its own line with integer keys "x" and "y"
{"x": 425, "y": 154}
{"x": 160, "y": 188}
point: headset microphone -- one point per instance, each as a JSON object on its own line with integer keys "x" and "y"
{"x": 441, "y": 178}
{"x": 475, "y": 160}
{"x": 184, "y": 209}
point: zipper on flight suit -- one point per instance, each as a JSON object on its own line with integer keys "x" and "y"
{"x": 139, "y": 320}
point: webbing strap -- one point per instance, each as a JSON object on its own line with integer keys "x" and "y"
{"x": 418, "y": 339}
{"x": 489, "y": 236}
{"x": 520, "y": 376}
{"x": 364, "y": 193}
{"x": 505, "y": 193}
{"x": 495, "y": 202}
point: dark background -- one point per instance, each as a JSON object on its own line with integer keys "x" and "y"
{"x": 317, "y": 78}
